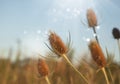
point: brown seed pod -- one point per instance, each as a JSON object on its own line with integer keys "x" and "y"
{"x": 57, "y": 44}
{"x": 116, "y": 33}
{"x": 42, "y": 67}
{"x": 91, "y": 17}
{"x": 97, "y": 53}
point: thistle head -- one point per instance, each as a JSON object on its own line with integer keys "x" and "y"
{"x": 91, "y": 17}
{"x": 57, "y": 44}
{"x": 42, "y": 67}
{"x": 116, "y": 33}
{"x": 97, "y": 54}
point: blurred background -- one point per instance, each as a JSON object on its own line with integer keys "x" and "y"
{"x": 24, "y": 30}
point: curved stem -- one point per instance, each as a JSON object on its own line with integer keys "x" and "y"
{"x": 47, "y": 79}
{"x": 65, "y": 57}
{"x": 105, "y": 74}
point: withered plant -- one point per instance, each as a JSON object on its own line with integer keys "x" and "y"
{"x": 98, "y": 57}
{"x": 59, "y": 48}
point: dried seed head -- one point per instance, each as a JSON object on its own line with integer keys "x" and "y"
{"x": 116, "y": 33}
{"x": 97, "y": 54}
{"x": 57, "y": 44}
{"x": 91, "y": 17}
{"x": 42, "y": 67}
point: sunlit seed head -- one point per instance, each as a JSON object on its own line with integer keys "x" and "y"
{"x": 91, "y": 17}
{"x": 57, "y": 44}
{"x": 42, "y": 67}
{"x": 97, "y": 54}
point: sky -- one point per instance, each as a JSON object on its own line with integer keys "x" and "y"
{"x": 31, "y": 20}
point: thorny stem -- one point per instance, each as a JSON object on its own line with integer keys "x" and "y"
{"x": 105, "y": 74}
{"x": 96, "y": 37}
{"x": 65, "y": 57}
{"x": 47, "y": 79}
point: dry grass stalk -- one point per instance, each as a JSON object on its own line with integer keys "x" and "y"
{"x": 68, "y": 61}
{"x": 60, "y": 49}
{"x": 6, "y": 75}
{"x": 7, "y": 68}
{"x": 57, "y": 44}
{"x": 43, "y": 69}
{"x": 91, "y": 17}
{"x": 98, "y": 57}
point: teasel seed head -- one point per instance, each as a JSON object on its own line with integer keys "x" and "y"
{"x": 57, "y": 44}
{"x": 97, "y": 54}
{"x": 42, "y": 67}
{"x": 91, "y": 17}
{"x": 116, "y": 33}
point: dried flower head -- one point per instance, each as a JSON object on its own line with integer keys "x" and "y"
{"x": 57, "y": 44}
{"x": 91, "y": 17}
{"x": 42, "y": 67}
{"x": 116, "y": 33}
{"x": 97, "y": 53}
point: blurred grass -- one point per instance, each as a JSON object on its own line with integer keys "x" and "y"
{"x": 25, "y": 71}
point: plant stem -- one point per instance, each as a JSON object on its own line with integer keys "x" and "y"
{"x": 111, "y": 76}
{"x": 118, "y": 47}
{"x": 65, "y": 57}
{"x": 95, "y": 35}
{"x": 119, "y": 53}
{"x": 105, "y": 74}
{"x": 47, "y": 79}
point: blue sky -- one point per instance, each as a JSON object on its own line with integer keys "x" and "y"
{"x": 30, "y": 21}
